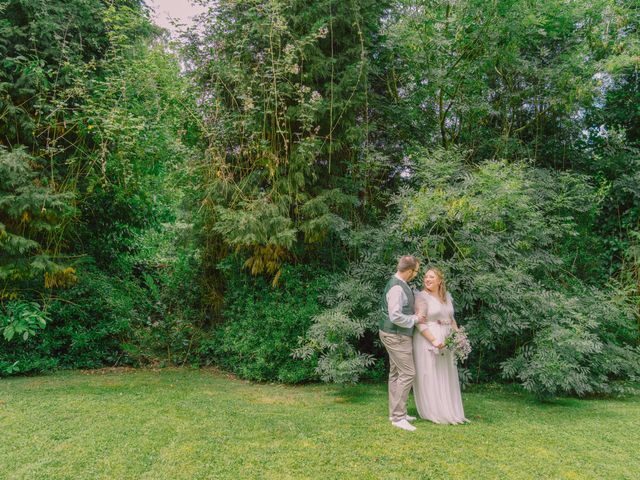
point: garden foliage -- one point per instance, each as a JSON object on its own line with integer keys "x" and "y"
{"x": 94, "y": 115}
{"x": 497, "y": 230}
{"x": 240, "y": 196}
{"x": 262, "y": 325}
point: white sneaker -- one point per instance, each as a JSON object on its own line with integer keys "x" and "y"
{"x": 408, "y": 418}
{"x": 404, "y": 425}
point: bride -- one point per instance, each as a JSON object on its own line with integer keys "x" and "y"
{"x": 436, "y": 387}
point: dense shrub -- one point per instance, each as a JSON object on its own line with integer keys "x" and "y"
{"x": 146, "y": 315}
{"x": 88, "y": 323}
{"x": 262, "y": 324}
{"x": 497, "y": 230}
{"x": 32, "y": 215}
{"x": 91, "y": 154}
{"x": 168, "y": 268}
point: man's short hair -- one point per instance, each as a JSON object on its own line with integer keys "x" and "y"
{"x": 407, "y": 262}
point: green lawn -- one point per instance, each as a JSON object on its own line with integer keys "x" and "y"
{"x": 185, "y": 424}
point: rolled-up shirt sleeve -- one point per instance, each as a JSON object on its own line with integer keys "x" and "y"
{"x": 396, "y": 298}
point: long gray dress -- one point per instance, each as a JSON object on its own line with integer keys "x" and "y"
{"x": 436, "y": 387}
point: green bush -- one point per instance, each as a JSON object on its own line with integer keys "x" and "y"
{"x": 87, "y": 324}
{"x": 169, "y": 271}
{"x": 145, "y": 309}
{"x": 20, "y": 321}
{"x": 498, "y": 230}
{"x": 23, "y": 319}
{"x": 262, "y": 324}
{"x": 31, "y": 214}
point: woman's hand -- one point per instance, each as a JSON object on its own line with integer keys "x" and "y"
{"x": 438, "y": 345}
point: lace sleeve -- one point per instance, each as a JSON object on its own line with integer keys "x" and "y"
{"x": 421, "y": 306}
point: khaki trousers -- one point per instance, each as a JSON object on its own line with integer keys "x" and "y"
{"x": 401, "y": 372}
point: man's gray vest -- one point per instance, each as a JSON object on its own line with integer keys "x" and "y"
{"x": 387, "y": 325}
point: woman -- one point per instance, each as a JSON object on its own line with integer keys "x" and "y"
{"x": 436, "y": 386}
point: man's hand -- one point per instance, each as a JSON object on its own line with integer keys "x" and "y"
{"x": 422, "y": 318}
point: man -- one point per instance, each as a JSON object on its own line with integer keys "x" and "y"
{"x": 396, "y": 332}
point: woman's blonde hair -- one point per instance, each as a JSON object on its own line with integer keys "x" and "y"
{"x": 442, "y": 289}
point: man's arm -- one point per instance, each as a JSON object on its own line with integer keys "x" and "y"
{"x": 395, "y": 299}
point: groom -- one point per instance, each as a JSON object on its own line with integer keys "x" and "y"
{"x": 396, "y": 332}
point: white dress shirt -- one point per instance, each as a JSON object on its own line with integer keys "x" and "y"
{"x": 396, "y": 298}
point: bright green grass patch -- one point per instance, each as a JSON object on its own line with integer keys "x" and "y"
{"x": 184, "y": 424}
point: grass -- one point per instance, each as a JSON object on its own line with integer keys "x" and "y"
{"x": 186, "y": 424}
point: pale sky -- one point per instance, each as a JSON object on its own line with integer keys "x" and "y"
{"x": 181, "y": 10}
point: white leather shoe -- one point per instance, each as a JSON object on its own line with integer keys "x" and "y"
{"x": 408, "y": 418}
{"x": 404, "y": 425}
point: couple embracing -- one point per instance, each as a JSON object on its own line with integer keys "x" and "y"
{"x": 413, "y": 330}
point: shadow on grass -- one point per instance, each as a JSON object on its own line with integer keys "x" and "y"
{"x": 359, "y": 394}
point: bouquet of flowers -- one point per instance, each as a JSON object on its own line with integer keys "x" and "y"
{"x": 458, "y": 343}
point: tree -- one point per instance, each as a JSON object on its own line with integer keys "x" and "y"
{"x": 284, "y": 92}
{"x": 32, "y": 216}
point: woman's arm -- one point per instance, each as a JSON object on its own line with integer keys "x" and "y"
{"x": 422, "y": 307}
{"x": 454, "y": 324}
{"x": 429, "y": 336}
